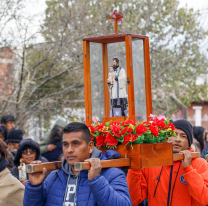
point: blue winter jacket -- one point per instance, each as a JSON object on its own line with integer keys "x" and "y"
{"x": 108, "y": 189}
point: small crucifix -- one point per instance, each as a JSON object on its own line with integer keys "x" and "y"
{"x": 116, "y": 16}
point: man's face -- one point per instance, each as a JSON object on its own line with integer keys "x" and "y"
{"x": 9, "y": 125}
{"x": 115, "y": 63}
{"x": 13, "y": 145}
{"x": 75, "y": 148}
{"x": 180, "y": 142}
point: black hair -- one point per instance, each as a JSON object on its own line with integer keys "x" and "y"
{"x": 3, "y": 150}
{"x": 7, "y": 118}
{"x": 116, "y": 59}
{"x": 56, "y": 134}
{"x": 3, "y": 131}
{"x": 78, "y": 127}
{"x": 198, "y": 134}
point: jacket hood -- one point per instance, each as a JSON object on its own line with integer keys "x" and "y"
{"x": 60, "y": 123}
{"x": 24, "y": 144}
{"x": 109, "y": 154}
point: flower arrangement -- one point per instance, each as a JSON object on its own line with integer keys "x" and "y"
{"x": 116, "y": 15}
{"x": 109, "y": 135}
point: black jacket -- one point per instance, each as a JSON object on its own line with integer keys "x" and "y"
{"x": 24, "y": 144}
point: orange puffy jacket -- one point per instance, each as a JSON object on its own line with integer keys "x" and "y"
{"x": 170, "y": 185}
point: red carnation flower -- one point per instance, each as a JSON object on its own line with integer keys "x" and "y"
{"x": 162, "y": 124}
{"x": 154, "y": 130}
{"x": 126, "y": 139}
{"x": 100, "y": 140}
{"x": 92, "y": 137}
{"x": 140, "y": 129}
{"x": 171, "y": 125}
{"x": 129, "y": 138}
{"x": 110, "y": 140}
{"x": 116, "y": 130}
{"x": 114, "y": 123}
{"x": 128, "y": 122}
{"x": 102, "y": 128}
{"x": 126, "y": 130}
{"x": 146, "y": 123}
{"x": 91, "y": 128}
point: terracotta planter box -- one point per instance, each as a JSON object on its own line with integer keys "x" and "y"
{"x": 147, "y": 155}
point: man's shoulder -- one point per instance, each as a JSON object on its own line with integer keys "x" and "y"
{"x": 199, "y": 162}
{"x": 112, "y": 172}
{"x": 54, "y": 174}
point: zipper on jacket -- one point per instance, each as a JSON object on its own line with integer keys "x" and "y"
{"x": 169, "y": 191}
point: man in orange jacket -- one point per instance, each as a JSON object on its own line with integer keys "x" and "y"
{"x": 185, "y": 183}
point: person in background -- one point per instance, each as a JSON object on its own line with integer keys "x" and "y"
{"x": 56, "y": 138}
{"x": 13, "y": 139}
{"x": 3, "y": 132}
{"x": 28, "y": 151}
{"x": 206, "y": 156}
{"x": 206, "y": 138}
{"x": 3, "y": 136}
{"x": 204, "y": 151}
{"x": 8, "y": 121}
{"x": 45, "y": 145}
{"x": 198, "y": 139}
{"x": 11, "y": 190}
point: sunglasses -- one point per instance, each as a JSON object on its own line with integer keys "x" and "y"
{"x": 31, "y": 151}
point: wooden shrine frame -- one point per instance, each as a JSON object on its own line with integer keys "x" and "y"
{"x": 104, "y": 40}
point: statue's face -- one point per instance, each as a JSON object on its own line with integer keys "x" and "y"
{"x": 111, "y": 69}
{"x": 115, "y": 63}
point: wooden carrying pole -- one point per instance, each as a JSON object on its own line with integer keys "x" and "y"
{"x": 32, "y": 168}
{"x": 79, "y": 166}
{"x": 122, "y": 162}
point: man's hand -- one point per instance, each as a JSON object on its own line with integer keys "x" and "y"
{"x": 187, "y": 158}
{"x": 51, "y": 147}
{"x": 23, "y": 181}
{"x": 37, "y": 177}
{"x": 95, "y": 167}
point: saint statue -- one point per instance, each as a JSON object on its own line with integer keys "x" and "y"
{"x": 117, "y": 85}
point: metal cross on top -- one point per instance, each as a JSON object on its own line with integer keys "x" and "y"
{"x": 117, "y": 17}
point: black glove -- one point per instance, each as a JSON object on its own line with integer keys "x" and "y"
{"x": 116, "y": 78}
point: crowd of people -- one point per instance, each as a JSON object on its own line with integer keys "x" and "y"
{"x": 183, "y": 183}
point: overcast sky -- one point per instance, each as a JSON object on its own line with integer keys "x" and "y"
{"x": 196, "y": 4}
{"x": 38, "y": 7}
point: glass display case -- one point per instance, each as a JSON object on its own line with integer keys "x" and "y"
{"x": 117, "y": 77}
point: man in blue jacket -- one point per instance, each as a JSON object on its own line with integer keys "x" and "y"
{"x": 66, "y": 187}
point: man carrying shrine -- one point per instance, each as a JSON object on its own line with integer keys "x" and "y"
{"x": 67, "y": 187}
{"x": 183, "y": 183}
